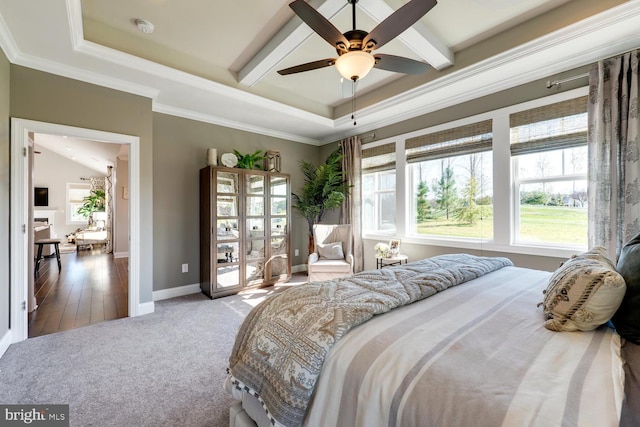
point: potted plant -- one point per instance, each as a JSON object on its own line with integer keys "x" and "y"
{"x": 324, "y": 189}
{"x": 94, "y": 202}
{"x": 249, "y": 161}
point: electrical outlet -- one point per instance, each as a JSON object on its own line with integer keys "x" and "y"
{"x": 185, "y": 268}
{"x": 297, "y": 252}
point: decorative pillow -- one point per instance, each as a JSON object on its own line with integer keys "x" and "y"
{"x": 330, "y": 250}
{"x": 627, "y": 318}
{"x": 583, "y": 293}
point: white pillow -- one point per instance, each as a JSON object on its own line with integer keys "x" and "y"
{"x": 583, "y": 293}
{"x": 330, "y": 250}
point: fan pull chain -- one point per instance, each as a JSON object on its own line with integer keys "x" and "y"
{"x": 353, "y": 101}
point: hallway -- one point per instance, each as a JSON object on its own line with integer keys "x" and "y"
{"x": 92, "y": 288}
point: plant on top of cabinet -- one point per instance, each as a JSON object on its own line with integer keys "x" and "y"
{"x": 250, "y": 161}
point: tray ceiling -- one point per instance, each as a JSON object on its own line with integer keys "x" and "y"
{"x": 217, "y": 61}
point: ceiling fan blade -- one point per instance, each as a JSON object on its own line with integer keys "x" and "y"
{"x": 397, "y": 23}
{"x": 399, "y": 64}
{"x": 319, "y": 24}
{"x": 308, "y": 66}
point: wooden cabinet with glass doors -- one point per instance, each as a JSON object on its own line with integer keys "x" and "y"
{"x": 244, "y": 229}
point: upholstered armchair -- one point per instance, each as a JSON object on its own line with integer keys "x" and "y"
{"x": 332, "y": 256}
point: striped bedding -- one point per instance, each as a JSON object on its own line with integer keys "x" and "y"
{"x": 475, "y": 355}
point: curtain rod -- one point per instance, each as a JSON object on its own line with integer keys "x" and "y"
{"x": 550, "y": 83}
{"x": 372, "y": 136}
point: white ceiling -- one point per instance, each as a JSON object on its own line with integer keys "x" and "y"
{"x": 216, "y": 61}
{"x": 95, "y": 155}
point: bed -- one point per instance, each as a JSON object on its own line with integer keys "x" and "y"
{"x": 475, "y": 351}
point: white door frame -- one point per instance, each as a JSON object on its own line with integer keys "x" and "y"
{"x": 19, "y": 265}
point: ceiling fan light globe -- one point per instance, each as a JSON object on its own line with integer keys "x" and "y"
{"x": 355, "y": 65}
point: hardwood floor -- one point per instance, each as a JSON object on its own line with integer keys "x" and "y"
{"x": 92, "y": 287}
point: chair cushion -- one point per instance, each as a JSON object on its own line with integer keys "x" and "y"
{"x": 330, "y": 250}
{"x": 331, "y": 265}
{"x": 627, "y": 318}
{"x": 583, "y": 293}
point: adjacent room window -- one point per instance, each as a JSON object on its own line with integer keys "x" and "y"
{"x": 75, "y": 193}
{"x": 450, "y": 177}
{"x": 549, "y": 152}
{"x": 379, "y": 188}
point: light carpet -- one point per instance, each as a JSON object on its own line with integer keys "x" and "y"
{"x": 162, "y": 369}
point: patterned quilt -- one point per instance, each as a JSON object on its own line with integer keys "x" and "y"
{"x": 281, "y": 346}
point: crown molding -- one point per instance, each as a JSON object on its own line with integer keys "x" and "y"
{"x": 82, "y": 74}
{"x": 7, "y": 43}
{"x": 177, "y": 76}
{"x": 206, "y": 118}
{"x": 80, "y": 45}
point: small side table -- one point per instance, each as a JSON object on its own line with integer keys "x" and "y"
{"x": 382, "y": 262}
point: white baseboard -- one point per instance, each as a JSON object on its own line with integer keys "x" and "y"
{"x": 146, "y": 308}
{"x": 5, "y": 342}
{"x": 300, "y": 268}
{"x": 178, "y": 291}
{"x": 121, "y": 254}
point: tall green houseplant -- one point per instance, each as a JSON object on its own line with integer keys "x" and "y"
{"x": 94, "y": 202}
{"x": 324, "y": 189}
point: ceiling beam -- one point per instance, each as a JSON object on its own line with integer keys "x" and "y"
{"x": 418, "y": 37}
{"x": 292, "y": 35}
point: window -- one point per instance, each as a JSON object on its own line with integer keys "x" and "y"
{"x": 75, "y": 193}
{"x": 511, "y": 180}
{"x": 549, "y": 151}
{"x": 379, "y": 188}
{"x": 450, "y": 174}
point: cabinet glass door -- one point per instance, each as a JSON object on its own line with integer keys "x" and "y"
{"x": 255, "y": 237}
{"x": 228, "y": 231}
{"x": 278, "y": 227}
{"x": 227, "y": 182}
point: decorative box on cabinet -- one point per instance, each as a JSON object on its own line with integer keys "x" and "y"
{"x": 244, "y": 229}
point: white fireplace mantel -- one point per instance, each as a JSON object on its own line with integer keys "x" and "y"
{"x": 50, "y": 214}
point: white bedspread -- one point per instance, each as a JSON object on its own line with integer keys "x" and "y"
{"x": 474, "y": 355}
{"x": 88, "y": 237}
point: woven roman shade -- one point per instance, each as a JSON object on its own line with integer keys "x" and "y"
{"x": 472, "y": 138}
{"x": 380, "y": 158}
{"x": 550, "y": 127}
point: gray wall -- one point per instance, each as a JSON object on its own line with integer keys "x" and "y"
{"x": 45, "y": 97}
{"x": 4, "y": 194}
{"x": 179, "y": 152}
{"x": 172, "y": 152}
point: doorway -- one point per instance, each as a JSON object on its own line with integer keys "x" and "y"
{"x": 80, "y": 183}
{"x": 20, "y": 130}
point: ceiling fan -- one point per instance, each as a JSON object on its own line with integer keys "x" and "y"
{"x": 354, "y": 47}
